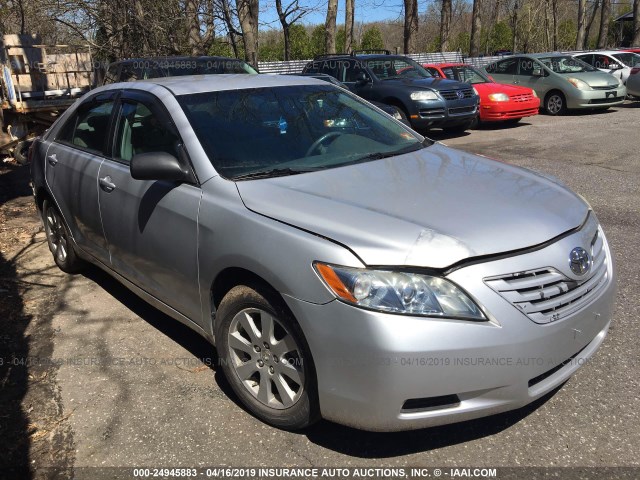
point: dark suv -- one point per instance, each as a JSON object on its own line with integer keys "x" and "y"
{"x": 156, "y": 67}
{"x": 396, "y": 80}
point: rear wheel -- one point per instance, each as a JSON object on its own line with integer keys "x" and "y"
{"x": 555, "y": 103}
{"x": 59, "y": 240}
{"x": 265, "y": 358}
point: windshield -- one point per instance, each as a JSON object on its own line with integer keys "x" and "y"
{"x": 629, "y": 59}
{"x": 465, "y": 74}
{"x": 293, "y": 129}
{"x": 394, "y": 67}
{"x": 566, "y": 64}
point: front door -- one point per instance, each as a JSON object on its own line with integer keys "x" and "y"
{"x": 151, "y": 227}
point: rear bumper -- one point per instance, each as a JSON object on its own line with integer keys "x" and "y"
{"x": 495, "y": 112}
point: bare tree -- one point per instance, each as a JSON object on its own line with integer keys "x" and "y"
{"x": 592, "y": 18}
{"x": 636, "y": 23}
{"x": 445, "y": 25}
{"x": 330, "y": 27}
{"x": 582, "y": 24}
{"x": 476, "y": 26}
{"x": 514, "y": 25}
{"x": 248, "y": 16}
{"x": 605, "y": 15}
{"x": 198, "y": 43}
{"x": 288, "y": 16}
{"x": 349, "y": 17}
{"x": 410, "y": 25}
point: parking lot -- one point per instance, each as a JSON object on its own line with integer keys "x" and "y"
{"x": 117, "y": 383}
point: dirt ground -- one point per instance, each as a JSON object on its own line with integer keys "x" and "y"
{"x": 32, "y": 420}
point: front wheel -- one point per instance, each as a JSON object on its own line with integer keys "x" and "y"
{"x": 59, "y": 240}
{"x": 265, "y": 358}
{"x": 555, "y": 104}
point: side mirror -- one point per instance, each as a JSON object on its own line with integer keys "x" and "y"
{"x": 538, "y": 72}
{"x": 362, "y": 78}
{"x": 615, "y": 66}
{"x": 158, "y": 166}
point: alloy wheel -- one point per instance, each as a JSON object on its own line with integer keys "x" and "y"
{"x": 266, "y": 358}
{"x": 554, "y": 104}
{"x": 56, "y": 235}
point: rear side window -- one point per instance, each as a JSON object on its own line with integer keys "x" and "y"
{"x": 433, "y": 71}
{"x": 88, "y": 128}
{"x": 506, "y": 67}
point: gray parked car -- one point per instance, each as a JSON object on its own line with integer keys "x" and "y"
{"x": 344, "y": 266}
{"x": 561, "y": 81}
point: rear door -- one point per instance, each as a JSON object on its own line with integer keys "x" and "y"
{"x": 73, "y": 161}
{"x": 150, "y": 226}
{"x": 504, "y": 71}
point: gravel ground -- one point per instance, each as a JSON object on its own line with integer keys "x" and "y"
{"x": 136, "y": 388}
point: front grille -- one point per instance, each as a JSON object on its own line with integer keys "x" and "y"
{"x": 607, "y": 87}
{"x": 524, "y": 97}
{"x": 461, "y": 110}
{"x": 430, "y": 403}
{"x": 547, "y": 295}
{"x": 453, "y": 95}
{"x": 598, "y": 101}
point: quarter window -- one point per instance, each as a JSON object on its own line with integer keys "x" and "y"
{"x": 88, "y": 128}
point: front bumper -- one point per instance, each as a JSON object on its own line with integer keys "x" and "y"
{"x": 578, "y": 99}
{"x": 442, "y": 113}
{"x": 384, "y": 372}
{"x": 498, "y": 111}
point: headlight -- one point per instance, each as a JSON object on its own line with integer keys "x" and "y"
{"x": 424, "y": 95}
{"x": 399, "y": 292}
{"x": 579, "y": 84}
{"x": 475, "y": 91}
{"x": 498, "y": 97}
{"x": 534, "y": 93}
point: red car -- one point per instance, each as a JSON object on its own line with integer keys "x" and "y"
{"x": 498, "y": 102}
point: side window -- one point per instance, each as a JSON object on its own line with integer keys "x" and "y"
{"x": 140, "y": 130}
{"x": 111, "y": 75}
{"x": 586, "y": 58}
{"x": 448, "y": 72}
{"x": 526, "y": 67}
{"x": 433, "y": 71}
{"x": 352, "y": 70}
{"x": 88, "y": 128}
{"x": 507, "y": 67}
{"x": 601, "y": 61}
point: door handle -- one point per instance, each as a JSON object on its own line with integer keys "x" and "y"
{"x": 106, "y": 184}
{"x": 53, "y": 159}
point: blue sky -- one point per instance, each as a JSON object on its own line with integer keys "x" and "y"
{"x": 365, "y": 11}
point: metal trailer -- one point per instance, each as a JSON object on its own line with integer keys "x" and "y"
{"x": 38, "y": 82}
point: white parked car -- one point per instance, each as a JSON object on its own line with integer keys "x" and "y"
{"x": 619, "y": 64}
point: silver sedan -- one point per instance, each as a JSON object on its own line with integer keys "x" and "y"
{"x": 343, "y": 266}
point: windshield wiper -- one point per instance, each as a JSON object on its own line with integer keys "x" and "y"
{"x": 381, "y": 155}
{"x": 274, "y": 172}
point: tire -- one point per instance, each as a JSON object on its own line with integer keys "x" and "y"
{"x": 280, "y": 393}
{"x": 59, "y": 240}
{"x": 21, "y": 152}
{"x": 555, "y": 103}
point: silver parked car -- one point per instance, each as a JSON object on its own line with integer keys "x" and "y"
{"x": 344, "y": 266}
{"x": 561, "y": 81}
{"x": 618, "y": 63}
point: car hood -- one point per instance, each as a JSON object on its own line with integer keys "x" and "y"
{"x": 487, "y": 88}
{"x": 595, "y": 79}
{"x": 432, "y": 83}
{"x": 430, "y": 208}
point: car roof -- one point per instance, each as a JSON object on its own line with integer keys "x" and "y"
{"x": 447, "y": 64}
{"x": 544, "y": 55}
{"x": 179, "y": 58}
{"x": 188, "y": 84}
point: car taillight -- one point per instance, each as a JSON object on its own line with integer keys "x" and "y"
{"x": 634, "y": 70}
